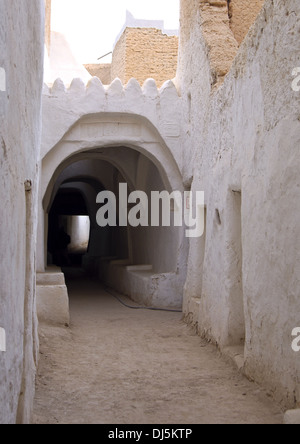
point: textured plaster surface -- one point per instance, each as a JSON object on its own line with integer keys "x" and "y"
{"x": 243, "y": 139}
{"x": 21, "y": 44}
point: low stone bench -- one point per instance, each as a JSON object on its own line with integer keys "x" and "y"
{"x": 52, "y": 297}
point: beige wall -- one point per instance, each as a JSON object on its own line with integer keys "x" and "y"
{"x": 118, "y": 67}
{"x": 100, "y": 70}
{"x": 48, "y": 24}
{"x": 242, "y": 16}
{"x": 219, "y": 43}
{"x": 224, "y": 25}
{"x": 144, "y": 53}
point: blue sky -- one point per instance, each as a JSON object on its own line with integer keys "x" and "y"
{"x": 91, "y": 26}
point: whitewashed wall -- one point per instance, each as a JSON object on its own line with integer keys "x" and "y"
{"x": 237, "y": 141}
{"x": 137, "y": 130}
{"x": 241, "y": 147}
{"x": 21, "y": 55}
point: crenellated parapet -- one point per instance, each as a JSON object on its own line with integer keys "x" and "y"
{"x": 63, "y": 107}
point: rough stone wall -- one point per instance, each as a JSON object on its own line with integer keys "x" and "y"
{"x": 21, "y": 55}
{"x": 239, "y": 147}
{"x": 242, "y": 15}
{"x": 100, "y": 70}
{"x": 48, "y": 4}
{"x": 118, "y": 66}
{"x": 143, "y": 53}
{"x": 221, "y": 44}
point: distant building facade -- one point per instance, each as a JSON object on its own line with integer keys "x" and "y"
{"x": 144, "y": 49}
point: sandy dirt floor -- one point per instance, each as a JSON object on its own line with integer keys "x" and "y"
{"x": 120, "y": 366}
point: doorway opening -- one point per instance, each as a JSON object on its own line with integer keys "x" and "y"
{"x": 236, "y": 321}
{"x": 69, "y": 229}
{"x": 134, "y": 260}
{"x": 75, "y": 241}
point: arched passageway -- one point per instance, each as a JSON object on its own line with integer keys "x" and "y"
{"x": 144, "y": 262}
{"x": 67, "y": 213}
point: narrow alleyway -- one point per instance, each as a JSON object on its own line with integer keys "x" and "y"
{"x": 115, "y": 365}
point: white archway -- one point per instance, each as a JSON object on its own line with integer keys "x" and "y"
{"x": 103, "y": 131}
{"x": 121, "y": 140}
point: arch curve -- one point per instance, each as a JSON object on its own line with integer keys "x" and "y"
{"x": 129, "y": 144}
{"x": 103, "y": 133}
